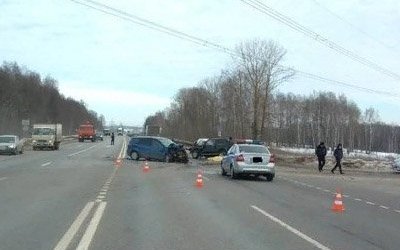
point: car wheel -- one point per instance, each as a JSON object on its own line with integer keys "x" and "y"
{"x": 195, "y": 154}
{"x": 223, "y": 172}
{"x": 222, "y": 152}
{"x": 135, "y": 155}
{"x": 233, "y": 175}
{"x": 269, "y": 177}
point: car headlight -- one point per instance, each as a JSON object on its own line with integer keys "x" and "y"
{"x": 11, "y": 146}
{"x": 34, "y": 141}
{"x": 50, "y": 141}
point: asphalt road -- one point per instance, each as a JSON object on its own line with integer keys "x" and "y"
{"x": 79, "y": 198}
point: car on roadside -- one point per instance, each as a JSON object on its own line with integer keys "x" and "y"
{"x": 249, "y": 159}
{"x": 156, "y": 148}
{"x": 211, "y": 147}
{"x": 99, "y": 136}
{"x": 11, "y": 144}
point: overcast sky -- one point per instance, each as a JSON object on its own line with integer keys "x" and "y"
{"x": 126, "y": 71}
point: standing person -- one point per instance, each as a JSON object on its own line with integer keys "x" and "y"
{"x": 320, "y": 151}
{"x": 112, "y": 138}
{"x": 338, "y": 156}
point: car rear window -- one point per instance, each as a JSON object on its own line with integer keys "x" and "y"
{"x": 253, "y": 149}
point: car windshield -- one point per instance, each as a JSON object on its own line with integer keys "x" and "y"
{"x": 43, "y": 131}
{"x": 7, "y": 139}
{"x": 165, "y": 141}
{"x": 253, "y": 149}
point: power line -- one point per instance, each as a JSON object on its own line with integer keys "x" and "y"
{"x": 205, "y": 43}
{"x": 361, "y": 31}
{"x": 344, "y": 84}
{"x": 263, "y": 8}
{"x": 152, "y": 25}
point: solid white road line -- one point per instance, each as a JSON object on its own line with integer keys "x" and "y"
{"x": 69, "y": 235}
{"x": 291, "y": 229}
{"x": 47, "y": 163}
{"x": 84, "y": 150}
{"x": 91, "y": 229}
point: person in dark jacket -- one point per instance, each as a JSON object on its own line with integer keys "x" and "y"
{"x": 338, "y": 156}
{"x": 112, "y": 138}
{"x": 320, "y": 151}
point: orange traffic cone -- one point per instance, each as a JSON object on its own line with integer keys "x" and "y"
{"x": 337, "y": 205}
{"x": 146, "y": 167}
{"x": 199, "y": 180}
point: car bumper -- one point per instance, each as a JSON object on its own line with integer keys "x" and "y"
{"x": 7, "y": 150}
{"x": 255, "y": 169}
{"x": 42, "y": 145}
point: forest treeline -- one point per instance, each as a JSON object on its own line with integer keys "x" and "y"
{"x": 25, "y": 95}
{"x": 242, "y": 102}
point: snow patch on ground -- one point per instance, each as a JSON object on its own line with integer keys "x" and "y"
{"x": 374, "y": 161}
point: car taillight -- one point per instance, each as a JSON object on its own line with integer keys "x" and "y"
{"x": 240, "y": 158}
{"x": 272, "y": 158}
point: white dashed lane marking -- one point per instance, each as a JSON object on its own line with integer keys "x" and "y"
{"x": 334, "y": 193}
{"x": 291, "y": 229}
{"x": 46, "y": 164}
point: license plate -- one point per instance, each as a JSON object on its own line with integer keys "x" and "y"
{"x": 257, "y": 159}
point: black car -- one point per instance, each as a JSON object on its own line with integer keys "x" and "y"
{"x": 212, "y": 147}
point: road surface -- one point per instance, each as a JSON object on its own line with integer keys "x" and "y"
{"x": 79, "y": 198}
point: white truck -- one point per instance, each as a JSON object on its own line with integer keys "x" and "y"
{"x": 46, "y": 136}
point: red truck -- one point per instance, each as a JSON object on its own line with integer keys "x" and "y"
{"x": 86, "y": 132}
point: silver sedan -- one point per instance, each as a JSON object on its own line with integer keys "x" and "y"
{"x": 248, "y": 159}
{"x": 10, "y": 144}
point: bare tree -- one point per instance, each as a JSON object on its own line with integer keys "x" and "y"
{"x": 260, "y": 62}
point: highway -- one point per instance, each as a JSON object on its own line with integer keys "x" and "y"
{"x": 79, "y": 198}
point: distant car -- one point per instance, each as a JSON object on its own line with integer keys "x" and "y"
{"x": 156, "y": 148}
{"x": 249, "y": 159}
{"x": 99, "y": 136}
{"x": 396, "y": 164}
{"x": 211, "y": 147}
{"x": 10, "y": 144}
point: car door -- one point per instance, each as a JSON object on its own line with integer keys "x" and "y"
{"x": 209, "y": 147}
{"x": 227, "y": 160}
{"x": 144, "y": 148}
{"x": 157, "y": 150}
